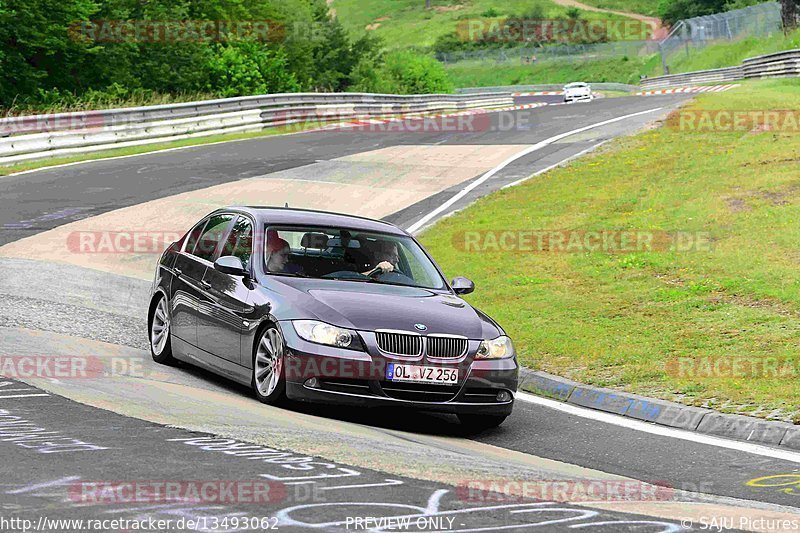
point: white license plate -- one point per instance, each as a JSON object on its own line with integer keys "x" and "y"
{"x": 422, "y": 374}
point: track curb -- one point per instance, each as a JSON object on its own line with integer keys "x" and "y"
{"x": 661, "y": 412}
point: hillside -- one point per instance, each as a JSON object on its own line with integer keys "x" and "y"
{"x": 726, "y": 54}
{"x": 406, "y": 23}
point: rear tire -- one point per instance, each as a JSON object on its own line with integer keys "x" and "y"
{"x": 476, "y": 423}
{"x": 268, "y": 380}
{"x": 159, "y": 323}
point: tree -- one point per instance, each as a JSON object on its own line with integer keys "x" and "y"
{"x": 671, "y": 11}
{"x": 789, "y": 15}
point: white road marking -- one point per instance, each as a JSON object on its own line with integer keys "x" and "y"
{"x": 663, "y": 431}
{"x": 387, "y": 483}
{"x": 22, "y": 395}
{"x": 63, "y": 482}
{"x": 556, "y": 165}
{"x": 466, "y": 190}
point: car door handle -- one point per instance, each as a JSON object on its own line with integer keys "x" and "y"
{"x": 205, "y": 284}
{"x": 178, "y": 272}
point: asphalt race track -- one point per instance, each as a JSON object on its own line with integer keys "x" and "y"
{"x": 314, "y": 467}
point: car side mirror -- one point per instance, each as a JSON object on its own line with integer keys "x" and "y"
{"x": 230, "y": 264}
{"x": 462, "y": 285}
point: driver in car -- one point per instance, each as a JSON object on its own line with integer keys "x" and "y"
{"x": 387, "y": 257}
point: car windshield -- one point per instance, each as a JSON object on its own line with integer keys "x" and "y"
{"x": 576, "y": 86}
{"x": 349, "y": 255}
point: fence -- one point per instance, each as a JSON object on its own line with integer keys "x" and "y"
{"x": 696, "y": 33}
{"x": 780, "y": 64}
{"x": 565, "y": 52}
{"x": 41, "y": 136}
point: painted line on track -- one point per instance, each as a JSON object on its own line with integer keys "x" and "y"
{"x": 466, "y": 190}
{"x": 555, "y": 165}
{"x": 663, "y": 431}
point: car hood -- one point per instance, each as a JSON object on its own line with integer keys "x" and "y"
{"x": 367, "y": 306}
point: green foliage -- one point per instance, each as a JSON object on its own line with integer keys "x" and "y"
{"x": 401, "y": 72}
{"x": 246, "y": 68}
{"x": 573, "y": 13}
{"x": 37, "y": 46}
{"x": 51, "y": 54}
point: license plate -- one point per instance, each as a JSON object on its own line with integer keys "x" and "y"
{"x": 422, "y": 374}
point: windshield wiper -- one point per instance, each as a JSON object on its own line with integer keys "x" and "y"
{"x": 360, "y": 280}
{"x": 288, "y": 274}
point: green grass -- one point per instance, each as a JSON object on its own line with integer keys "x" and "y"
{"x": 616, "y": 319}
{"x": 728, "y": 54}
{"x": 486, "y": 74}
{"x": 409, "y": 24}
{"x": 95, "y": 100}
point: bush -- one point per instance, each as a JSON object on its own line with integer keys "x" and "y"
{"x": 246, "y": 68}
{"x": 401, "y": 73}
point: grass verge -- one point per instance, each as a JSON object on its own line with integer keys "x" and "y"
{"x": 727, "y": 54}
{"x": 487, "y": 73}
{"x": 622, "y": 320}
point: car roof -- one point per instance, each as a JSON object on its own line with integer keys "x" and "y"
{"x": 309, "y": 217}
{"x": 577, "y": 84}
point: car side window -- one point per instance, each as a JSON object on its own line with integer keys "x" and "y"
{"x": 240, "y": 241}
{"x": 194, "y": 236}
{"x": 213, "y": 233}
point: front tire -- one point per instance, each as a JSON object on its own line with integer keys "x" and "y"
{"x": 268, "y": 381}
{"x": 160, "y": 323}
{"x": 477, "y": 423}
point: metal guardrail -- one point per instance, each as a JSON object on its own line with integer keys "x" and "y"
{"x": 780, "y": 64}
{"x": 42, "y": 136}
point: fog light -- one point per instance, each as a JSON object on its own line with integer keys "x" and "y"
{"x": 312, "y": 383}
{"x": 504, "y": 396}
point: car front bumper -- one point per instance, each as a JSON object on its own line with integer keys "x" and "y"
{"x": 317, "y": 373}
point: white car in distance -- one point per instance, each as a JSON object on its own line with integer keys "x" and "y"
{"x": 579, "y": 91}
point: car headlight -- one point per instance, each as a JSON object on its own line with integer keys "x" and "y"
{"x": 499, "y": 348}
{"x": 322, "y": 333}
